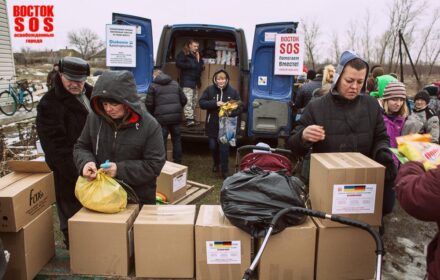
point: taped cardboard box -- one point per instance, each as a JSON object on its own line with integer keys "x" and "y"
{"x": 223, "y": 251}
{"x": 25, "y": 193}
{"x": 290, "y": 254}
{"x": 164, "y": 236}
{"x": 344, "y": 253}
{"x": 172, "y": 181}
{"x": 31, "y": 247}
{"x": 102, "y": 244}
{"x": 347, "y": 184}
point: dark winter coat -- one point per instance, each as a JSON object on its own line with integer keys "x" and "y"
{"x": 60, "y": 120}
{"x": 135, "y": 144}
{"x": 165, "y": 100}
{"x": 418, "y": 192}
{"x": 350, "y": 126}
{"x": 305, "y": 92}
{"x": 209, "y": 99}
{"x": 51, "y": 78}
{"x": 190, "y": 70}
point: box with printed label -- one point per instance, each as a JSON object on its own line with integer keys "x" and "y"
{"x": 347, "y": 184}
{"x": 25, "y": 193}
{"x": 172, "y": 181}
{"x": 290, "y": 254}
{"x": 31, "y": 247}
{"x": 344, "y": 253}
{"x": 102, "y": 244}
{"x": 164, "y": 235}
{"x": 223, "y": 251}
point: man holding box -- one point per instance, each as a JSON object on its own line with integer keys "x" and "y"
{"x": 344, "y": 120}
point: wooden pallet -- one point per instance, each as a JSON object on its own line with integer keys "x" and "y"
{"x": 194, "y": 193}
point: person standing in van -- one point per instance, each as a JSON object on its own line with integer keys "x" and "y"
{"x": 190, "y": 63}
{"x": 215, "y": 96}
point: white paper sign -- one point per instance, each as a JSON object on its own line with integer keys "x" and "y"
{"x": 179, "y": 182}
{"x": 269, "y": 36}
{"x": 223, "y": 252}
{"x": 354, "y": 199}
{"x": 262, "y": 80}
{"x": 289, "y": 54}
{"x": 121, "y": 45}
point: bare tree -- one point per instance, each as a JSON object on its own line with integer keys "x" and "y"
{"x": 335, "y": 46}
{"x": 311, "y": 35}
{"x": 353, "y": 43}
{"x": 86, "y": 41}
{"x": 27, "y": 55}
{"x": 427, "y": 33}
{"x": 432, "y": 51}
{"x": 366, "y": 40}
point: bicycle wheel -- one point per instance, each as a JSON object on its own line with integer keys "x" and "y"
{"x": 28, "y": 100}
{"x": 8, "y": 103}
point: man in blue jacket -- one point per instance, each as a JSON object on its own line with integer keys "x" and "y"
{"x": 191, "y": 66}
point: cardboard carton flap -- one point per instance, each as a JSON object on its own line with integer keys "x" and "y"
{"x": 29, "y": 166}
{"x": 166, "y": 214}
{"x": 345, "y": 160}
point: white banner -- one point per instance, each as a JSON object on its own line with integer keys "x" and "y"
{"x": 289, "y": 54}
{"x": 121, "y": 45}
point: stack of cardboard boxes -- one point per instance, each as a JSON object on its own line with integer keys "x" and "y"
{"x": 26, "y": 229}
{"x": 349, "y": 185}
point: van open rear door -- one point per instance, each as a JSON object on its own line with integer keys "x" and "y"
{"x": 143, "y": 71}
{"x": 269, "y": 95}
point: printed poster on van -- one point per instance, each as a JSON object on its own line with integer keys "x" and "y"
{"x": 121, "y": 45}
{"x": 289, "y": 54}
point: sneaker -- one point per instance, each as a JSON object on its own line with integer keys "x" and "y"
{"x": 190, "y": 123}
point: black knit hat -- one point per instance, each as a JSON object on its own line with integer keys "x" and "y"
{"x": 422, "y": 95}
{"x": 432, "y": 90}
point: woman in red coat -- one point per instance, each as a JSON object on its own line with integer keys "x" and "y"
{"x": 418, "y": 192}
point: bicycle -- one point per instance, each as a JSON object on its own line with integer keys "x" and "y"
{"x": 15, "y": 97}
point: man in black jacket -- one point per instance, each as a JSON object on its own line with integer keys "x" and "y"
{"x": 61, "y": 115}
{"x": 165, "y": 101}
{"x": 190, "y": 64}
{"x": 346, "y": 121}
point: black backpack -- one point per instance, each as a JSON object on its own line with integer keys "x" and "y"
{"x": 251, "y": 198}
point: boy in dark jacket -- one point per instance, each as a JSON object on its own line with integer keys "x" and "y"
{"x": 418, "y": 192}
{"x": 121, "y": 131}
{"x": 212, "y": 99}
{"x": 165, "y": 101}
{"x": 190, "y": 63}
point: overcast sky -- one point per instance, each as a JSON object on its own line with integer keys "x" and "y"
{"x": 333, "y": 16}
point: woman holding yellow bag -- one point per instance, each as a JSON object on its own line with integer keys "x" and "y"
{"x": 121, "y": 131}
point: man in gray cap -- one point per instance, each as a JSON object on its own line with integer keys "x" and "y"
{"x": 61, "y": 115}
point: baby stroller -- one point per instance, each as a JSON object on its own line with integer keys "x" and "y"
{"x": 264, "y": 157}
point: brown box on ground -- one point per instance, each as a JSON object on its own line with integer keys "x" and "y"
{"x": 223, "y": 251}
{"x": 164, "y": 241}
{"x": 102, "y": 244}
{"x": 25, "y": 193}
{"x": 171, "y": 70}
{"x": 30, "y": 248}
{"x": 233, "y": 71}
{"x": 347, "y": 184}
{"x": 344, "y": 253}
{"x": 172, "y": 181}
{"x": 290, "y": 254}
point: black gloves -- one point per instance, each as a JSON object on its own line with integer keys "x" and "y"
{"x": 385, "y": 157}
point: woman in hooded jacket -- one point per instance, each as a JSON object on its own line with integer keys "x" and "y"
{"x": 121, "y": 131}
{"x": 214, "y": 96}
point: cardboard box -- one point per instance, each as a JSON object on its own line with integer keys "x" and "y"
{"x": 233, "y": 71}
{"x": 25, "y": 193}
{"x": 171, "y": 70}
{"x": 31, "y": 247}
{"x": 223, "y": 251}
{"x": 344, "y": 253}
{"x": 164, "y": 236}
{"x": 347, "y": 184}
{"x": 290, "y": 254}
{"x": 102, "y": 244}
{"x": 214, "y": 68}
{"x": 172, "y": 181}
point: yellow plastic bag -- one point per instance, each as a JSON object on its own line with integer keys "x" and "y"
{"x": 103, "y": 194}
{"x": 418, "y": 147}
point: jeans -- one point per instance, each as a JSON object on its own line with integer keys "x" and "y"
{"x": 174, "y": 130}
{"x": 220, "y": 153}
